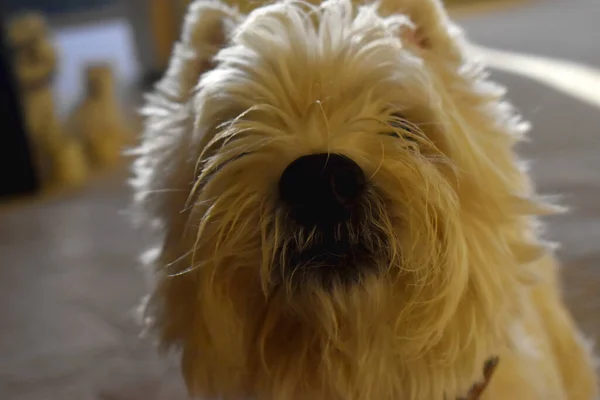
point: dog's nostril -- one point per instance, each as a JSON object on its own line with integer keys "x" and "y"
{"x": 321, "y": 188}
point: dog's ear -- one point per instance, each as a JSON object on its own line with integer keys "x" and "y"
{"x": 207, "y": 27}
{"x": 434, "y": 32}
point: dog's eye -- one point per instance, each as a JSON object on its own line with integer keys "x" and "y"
{"x": 404, "y": 128}
{"x": 392, "y": 134}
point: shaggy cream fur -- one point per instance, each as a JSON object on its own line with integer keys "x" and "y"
{"x": 462, "y": 274}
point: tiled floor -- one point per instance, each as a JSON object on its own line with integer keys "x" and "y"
{"x": 68, "y": 285}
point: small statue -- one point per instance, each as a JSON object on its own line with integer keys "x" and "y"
{"x": 97, "y": 120}
{"x": 59, "y": 158}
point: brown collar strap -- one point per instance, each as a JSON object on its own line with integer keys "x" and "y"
{"x": 477, "y": 389}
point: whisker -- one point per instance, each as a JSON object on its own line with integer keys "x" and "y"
{"x": 380, "y": 163}
{"x": 433, "y": 123}
{"x": 160, "y": 191}
{"x": 326, "y": 120}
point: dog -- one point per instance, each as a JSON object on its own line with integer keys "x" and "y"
{"x": 341, "y": 214}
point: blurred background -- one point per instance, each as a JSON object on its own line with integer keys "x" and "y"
{"x": 72, "y": 75}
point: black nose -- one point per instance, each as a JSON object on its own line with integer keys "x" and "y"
{"x": 321, "y": 188}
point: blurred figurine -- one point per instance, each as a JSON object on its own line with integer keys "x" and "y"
{"x": 59, "y": 159}
{"x": 98, "y": 120}
{"x": 70, "y": 163}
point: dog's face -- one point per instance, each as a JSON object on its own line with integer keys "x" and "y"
{"x": 341, "y": 203}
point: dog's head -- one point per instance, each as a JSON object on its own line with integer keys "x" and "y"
{"x": 344, "y": 217}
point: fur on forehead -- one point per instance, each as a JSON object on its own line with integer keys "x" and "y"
{"x": 292, "y": 54}
{"x": 212, "y": 25}
{"x": 283, "y": 58}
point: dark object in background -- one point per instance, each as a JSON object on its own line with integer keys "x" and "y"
{"x": 17, "y": 173}
{"x": 155, "y": 27}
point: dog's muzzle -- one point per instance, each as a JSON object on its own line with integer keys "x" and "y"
{"x": 322, "y": 194}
